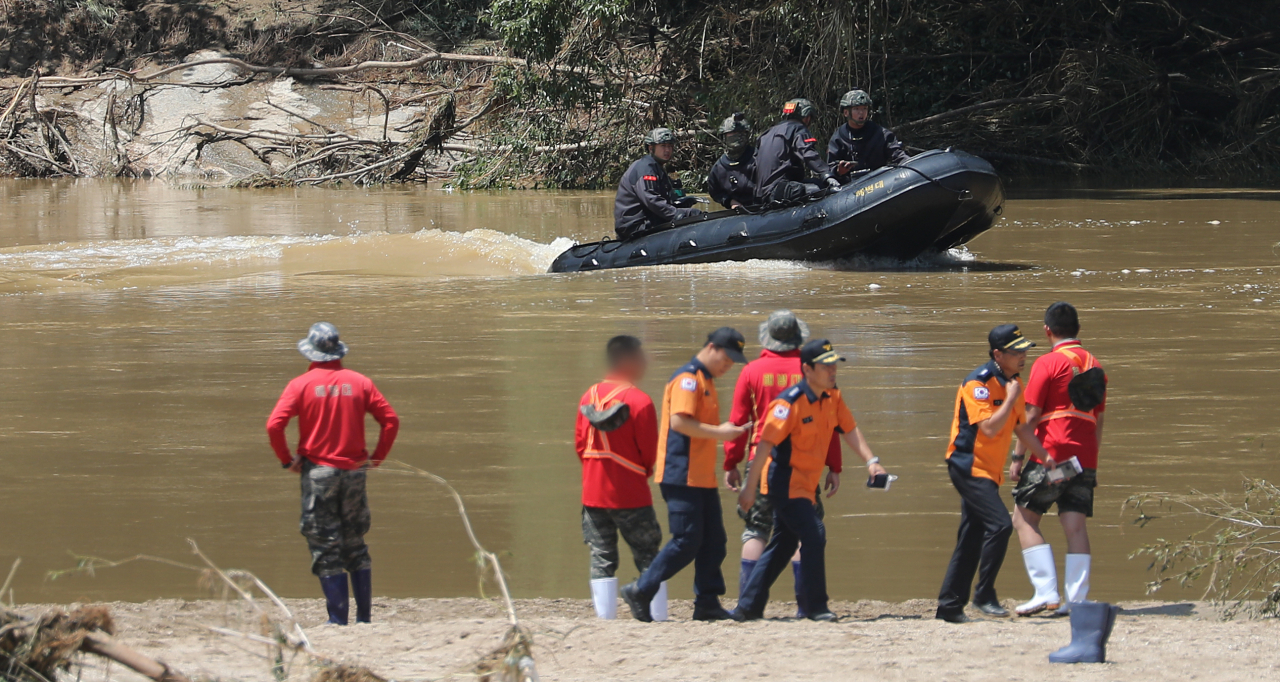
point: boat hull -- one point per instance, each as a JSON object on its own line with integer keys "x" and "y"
{"x": 935, "y": 201}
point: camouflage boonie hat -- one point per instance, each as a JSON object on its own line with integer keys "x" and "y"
{"x": 322, "y": 344}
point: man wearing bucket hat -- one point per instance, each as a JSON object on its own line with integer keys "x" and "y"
{"x": 330, "y": 403}
{"x": 759, "y": 384}
{"x": 686, "y": 475}
{"x": 788, "y": 166}
{"x": 646, "y": 197}
{"x": 796, "y": 433}
{"x": 861, "y": 144}
{"x": 989, "y": 411}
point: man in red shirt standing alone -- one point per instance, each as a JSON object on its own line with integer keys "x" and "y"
{"x": 759, "y": 384}
{"x": 330, "y": 403}
{"x": 617, "y": 440}
{"x": 1066, "y": 399}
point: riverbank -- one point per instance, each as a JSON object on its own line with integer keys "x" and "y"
{"x": 418, "y": 639}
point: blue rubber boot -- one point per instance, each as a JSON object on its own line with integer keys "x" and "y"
{"x": 336, "y": 598}
{"x": 747, "y": 567}
{"x": 1091, "y": 624}
{"x": 801, "y": 611}
{"x": 362, "y": 586}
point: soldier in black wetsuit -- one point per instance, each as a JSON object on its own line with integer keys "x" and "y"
{"x": 861, "y": 144}
{"x": 646, "y": 196}
{"x": 732, "y": 178}
{"x": 787, "y": 165}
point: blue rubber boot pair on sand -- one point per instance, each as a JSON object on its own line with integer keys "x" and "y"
{"x": 1091, "y": 624}
{"x": 337, "y": 599}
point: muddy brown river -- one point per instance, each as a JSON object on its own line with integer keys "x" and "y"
{"x": 148, "y": 329}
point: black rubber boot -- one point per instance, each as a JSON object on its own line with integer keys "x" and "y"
{"x": 1091, "y": 624}
{"x": 336, "y": 598}
{"x": 362, "y": 586}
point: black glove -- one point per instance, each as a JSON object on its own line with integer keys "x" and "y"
{"x": 684, "y": 202}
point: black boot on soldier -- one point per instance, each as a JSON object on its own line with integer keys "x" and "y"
{"x": 638, "y": 604}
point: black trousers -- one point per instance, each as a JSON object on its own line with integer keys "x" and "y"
{"x": 796, "y": 523}
{"x": 697, "y": 537}
{"x": 981, "y": 543}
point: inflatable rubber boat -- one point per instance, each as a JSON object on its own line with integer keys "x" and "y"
{"x": 935, "y": 201}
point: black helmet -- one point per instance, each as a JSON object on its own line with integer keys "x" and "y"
{"x": 737, "y": 123}
{"x": 797, "y": 108}
{"x": 855, "y": 98}
{"x": 659, "y": 136}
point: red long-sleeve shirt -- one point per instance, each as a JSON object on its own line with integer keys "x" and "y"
{"x": 760, "y": 383}
{"x": 330, "y": 403}
{"x": 607, "y": 482}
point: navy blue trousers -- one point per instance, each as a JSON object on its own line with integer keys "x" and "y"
{"x": 795, "y": 522}
{"x": 697, "y": 537}
{"x": 981, "y": 543}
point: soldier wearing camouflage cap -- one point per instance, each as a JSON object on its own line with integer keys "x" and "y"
{"x": 788, "y": 166}
{"x": 861, "y": 144}
{"x": 732, "y": 178}
{"x": 647, "y": 198}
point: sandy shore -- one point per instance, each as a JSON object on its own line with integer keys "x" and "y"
{"x": 426, "y": 639}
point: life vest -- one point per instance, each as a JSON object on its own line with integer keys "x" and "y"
{"x": 1084, "y": 368}
{"x": 598, "y": 441}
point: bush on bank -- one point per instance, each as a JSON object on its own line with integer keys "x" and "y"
{"x": 1169, "y": 89}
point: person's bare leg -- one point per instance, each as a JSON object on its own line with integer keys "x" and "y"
{"x": 752, "y": 549}
{"x": 1027, "y": 525}
{"x": 1077, "y": 532}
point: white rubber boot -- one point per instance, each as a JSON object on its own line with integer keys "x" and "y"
{"x": 1077, "y": 580}
{"x": 658, "y": 607}
{"x": 604, "y": 595}
{"x": 1044, "y": 577}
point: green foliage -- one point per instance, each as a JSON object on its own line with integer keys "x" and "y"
{"x": 538, "y": 29}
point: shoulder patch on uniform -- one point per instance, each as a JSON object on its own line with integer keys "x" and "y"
{"x": 689, "y": 384}
{"x": 781, "y": 411}
{"x": 791, "y": 394}
{"x": 810, "y": 139}
{"x": 651, "y": 178}
{"x": 984, "y": 372}
{"x": 981, "y": 393}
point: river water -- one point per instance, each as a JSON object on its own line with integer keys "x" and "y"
{"x": 148, "y": 329}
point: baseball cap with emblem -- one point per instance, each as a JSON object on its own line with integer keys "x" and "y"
{"x": 731, "y": 340}
{"x": 322, "y": 344}
{"x": 1007, "y": 337}
{"x": 819, "y": 352}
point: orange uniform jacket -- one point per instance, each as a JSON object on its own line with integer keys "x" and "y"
{"x": 982, "y": 393}
{"x": 683, "y": 460}
{"x": 801, "y": 423}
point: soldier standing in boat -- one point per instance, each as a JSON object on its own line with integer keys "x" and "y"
{"x": 617, "y": 441}
{"x": 646, "y": 196}
{"x": 860, "y": 144}
{"x": 788, "y": 166}
{"x": 731, "y": 182}
{"x": 330, "y": 403}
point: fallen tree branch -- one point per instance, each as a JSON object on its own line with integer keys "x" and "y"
{"x": 107, "y": 647}
{"x": 982, "y": 106}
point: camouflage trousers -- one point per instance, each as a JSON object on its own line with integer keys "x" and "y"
{"x": 335, "y": 517}
{"x": 600, "y": 529}
{"x": 759, "y": 519}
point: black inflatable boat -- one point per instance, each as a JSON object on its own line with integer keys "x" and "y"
{"x": 933, "y": 202}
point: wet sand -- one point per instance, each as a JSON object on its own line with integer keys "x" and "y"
{"x": 427, "y": 639}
